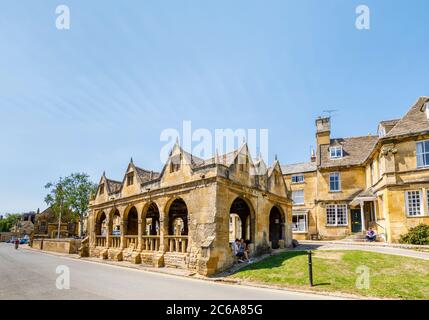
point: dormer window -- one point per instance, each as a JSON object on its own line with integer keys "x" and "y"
{"x": 381, "y": 132}
{"x": 130, "y": 178}
{"x": 102, "y": 188}
{"x": 427, "y": 110}
{"x": 336, "y": 152}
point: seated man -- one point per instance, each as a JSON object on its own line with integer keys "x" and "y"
{"x": 370, "y": 235}
{"x": 241, "y": 250}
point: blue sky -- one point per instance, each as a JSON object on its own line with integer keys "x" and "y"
{"x": 89, "y": 98}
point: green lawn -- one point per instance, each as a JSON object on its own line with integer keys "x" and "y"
{"x": 389, "y": 276}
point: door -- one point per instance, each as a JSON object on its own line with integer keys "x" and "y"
{"x": 356, "y": 220}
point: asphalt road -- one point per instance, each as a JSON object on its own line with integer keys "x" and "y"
{"x": 26, "y": 274}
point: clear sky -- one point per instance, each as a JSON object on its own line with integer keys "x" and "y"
{"x": 89, "y": 98}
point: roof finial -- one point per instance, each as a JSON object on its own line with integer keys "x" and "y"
{"x": 131, "y": 161}
{"x": 244, "y": 140}
{"x": 177, "y": 140}
{"x": 275, "y": 157}
{"x": 104, "y": 173}
{"x": 217, "y": 156}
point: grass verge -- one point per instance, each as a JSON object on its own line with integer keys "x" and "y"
{"x": 390, "y": 276}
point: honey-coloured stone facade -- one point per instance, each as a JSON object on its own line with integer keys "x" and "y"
{"x": 180, "y": 217}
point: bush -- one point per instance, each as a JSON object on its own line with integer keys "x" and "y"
{"x": 416, "y": 235}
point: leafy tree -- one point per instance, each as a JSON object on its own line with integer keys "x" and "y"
{"x": 78, "y": 190}
{"x": 71, "y": 195}
{"x": 8, "y": 221}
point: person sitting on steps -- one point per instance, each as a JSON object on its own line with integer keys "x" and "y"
{"x": 370, "y": 235}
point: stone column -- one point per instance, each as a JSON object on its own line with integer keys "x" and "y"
{"x": 109, "y": 219}
{"x": 123, "y": 226}
{"x": 163, "y": 231}
{"x": 362, "y": 216}
{"x": 140, "y": 234}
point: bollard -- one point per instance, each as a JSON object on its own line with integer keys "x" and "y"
{"x": 310, "y": 268}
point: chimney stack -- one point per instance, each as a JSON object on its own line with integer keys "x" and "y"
{"x": 323, "y": 130}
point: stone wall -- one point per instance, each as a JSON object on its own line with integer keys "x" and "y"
{"x": 60, "y": 245}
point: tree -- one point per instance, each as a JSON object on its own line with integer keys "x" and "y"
{"x": 78, "y": 190}
{"x": 8, "y": 222}
{"x": 71, "y": 195}
{"x": 56, "y": 199}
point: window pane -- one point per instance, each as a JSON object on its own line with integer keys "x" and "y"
{"x": 419, "y": 148}
{"x": 330, "y": 215}
{"x": 413, "y": 199}
{"x": 420, "y": 161}
{"x": 342, "y": 214}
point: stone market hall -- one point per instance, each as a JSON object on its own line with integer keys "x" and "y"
{"x": 188, "y": 214}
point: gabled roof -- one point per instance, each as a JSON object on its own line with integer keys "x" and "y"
{"x": 355, "y": 151}
{"x": 113, "y": 186}
{"x": 146, "y": 175}
{"x": 414, "y": 122}
{"x": 299, "y": 167}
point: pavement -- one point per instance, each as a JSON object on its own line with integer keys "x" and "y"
{"x": 332, "y": 245}
{"x": 30, "y": 274}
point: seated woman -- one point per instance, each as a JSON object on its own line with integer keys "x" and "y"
{"x": 370, "y": 235}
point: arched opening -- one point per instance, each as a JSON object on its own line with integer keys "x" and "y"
{"x": 240, "y": 222}
{"x": 115, "y": 223}
{"x": 178, "y": 218}
{"x": 152, "y": 220}
{"x": 276, "y": 227}
{"x": 132, "y": 222}
{"x": 101, "y": 225}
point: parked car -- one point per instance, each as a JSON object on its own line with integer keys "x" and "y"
{"x": 23, "y": 241}
{"x": 11, "y": 240}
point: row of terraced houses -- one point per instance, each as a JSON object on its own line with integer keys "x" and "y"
{"x": 374, "y": 181}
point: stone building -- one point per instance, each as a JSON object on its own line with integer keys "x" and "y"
{"x": 182, "y": 215}
{"x": 24, "y": 225}
{"x": 46, "y": 224}
{"x": 351, "y": 184}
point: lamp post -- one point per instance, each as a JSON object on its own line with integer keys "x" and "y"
{"x": 60, "y": 193}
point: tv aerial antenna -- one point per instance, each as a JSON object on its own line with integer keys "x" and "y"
{"x": 330, "y": 111}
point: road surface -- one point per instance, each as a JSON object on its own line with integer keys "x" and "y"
{"x": 26, "y": 274}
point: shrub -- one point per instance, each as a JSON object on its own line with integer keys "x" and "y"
{"x": 416, "y": 235}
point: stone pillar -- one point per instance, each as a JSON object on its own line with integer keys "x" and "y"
{"x": 163, "y": 231}
{"x": 362, "y": 216}
{"x": 140, "y": 234}
{"x": 109, "y": 229}
{"x": 123, "y": 226}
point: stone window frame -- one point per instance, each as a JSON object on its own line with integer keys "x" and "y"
{"x": 335, "y": 214}
{"x": 297, "y": 214}
{"x": 294, "y": 192}
{"x": 332, "y": 176}
{"x": 297, "y": 180}
{"x": 130, "y": 178}
{"x": 424, "y": 163}
{"x": 333, "y": 152}
{"x": 414, "y": 209}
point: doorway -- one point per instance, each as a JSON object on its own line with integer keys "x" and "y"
{"x": 356, "y": 220}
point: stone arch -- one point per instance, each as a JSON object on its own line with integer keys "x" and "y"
{"x": 242, "y": 211}
{"x": 178, "y": 216}
{"x": 100, "y": 223}
{"x": 130, "y": 219}
{"x": 115, "y": 221}
{"x": 151, "y": 218}
{"x": 276, "y": 226}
